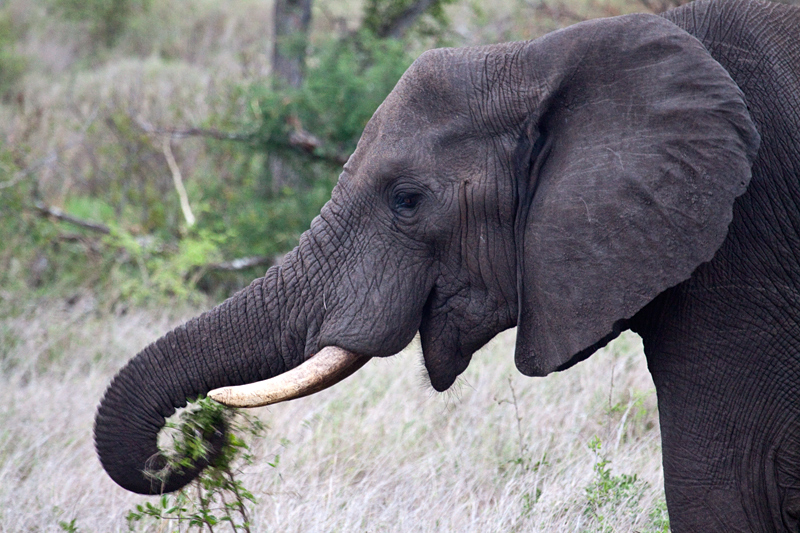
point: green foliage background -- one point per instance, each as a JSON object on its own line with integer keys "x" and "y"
{"x": 150, "y": 253}
{"x": 90, "y": 89}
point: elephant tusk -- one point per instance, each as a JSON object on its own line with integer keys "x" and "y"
{"x": 328, "y": 367}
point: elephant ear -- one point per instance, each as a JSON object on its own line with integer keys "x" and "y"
{"x": 632, "y": 162}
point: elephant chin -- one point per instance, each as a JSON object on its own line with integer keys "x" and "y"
{"x": 444, "y": 358}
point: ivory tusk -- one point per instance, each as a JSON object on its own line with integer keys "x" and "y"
{"x": 329, "y": 366}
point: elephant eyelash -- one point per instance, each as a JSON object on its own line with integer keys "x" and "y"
{"x": 406, "y": 201}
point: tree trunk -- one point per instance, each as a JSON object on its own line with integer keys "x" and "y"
{"x": 292, "y": 21}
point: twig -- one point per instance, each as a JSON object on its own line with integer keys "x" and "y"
{"x": 299, "y": 140}
{"x": 177, "y": 180}
{"x": 520, "y": 434}
{"x": 176, "y": 133}
{"x": 621, "y": 428}
{"x": 50, "y": 211}
{"x": 239, "y": 501}
{"x": 310, "y": 144}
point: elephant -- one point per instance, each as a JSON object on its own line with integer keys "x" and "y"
{"x": 639, "y": 172}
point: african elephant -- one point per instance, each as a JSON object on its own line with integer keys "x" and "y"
{"x": 639, "y": 172}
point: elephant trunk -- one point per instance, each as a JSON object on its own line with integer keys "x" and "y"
{"x": 245, "y": 339}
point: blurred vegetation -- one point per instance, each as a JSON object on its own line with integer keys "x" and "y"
{"x": 112, "y": 110}
{"x": 105, "y": 20}
{"x": 12, "y": 64}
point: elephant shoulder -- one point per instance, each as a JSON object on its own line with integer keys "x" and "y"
{"x": 738, "y": 30}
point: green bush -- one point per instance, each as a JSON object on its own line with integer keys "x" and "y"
{"x": 610, "y": 495}
{"x": 346, "y": 81}
{"x": 122, "y": 179}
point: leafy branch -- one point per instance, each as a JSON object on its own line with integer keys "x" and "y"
{"x": 217, "y": 496}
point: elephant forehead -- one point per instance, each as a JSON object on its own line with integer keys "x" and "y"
{"x": 428, "y": 115}
{"x": 390, "y": 155}
{"x": 413, "y": 148}
{"x": 434, "y": 89}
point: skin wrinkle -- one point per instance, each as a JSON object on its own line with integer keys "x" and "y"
{"x": 227, "y": 342}
{"x": 148, "y": 370}
{"x": 247, "y": 337}
{"x": 266, "y": 368}
{"x": 312, "y": 270}
{"x": 452, "y": 267}
{"x": 287, "y": 310}
{"x": 144, "y": 372}
{"x": 766, "y": 257}
{"x": 256, "y": 331}
{"x": 226, "y": 323}
{"x": 168, "y": 367}
{"x": 149, "y": 419}
{"x": 194, "y": 373}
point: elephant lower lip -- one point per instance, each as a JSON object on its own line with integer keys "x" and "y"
{"x": 328, "y": 367}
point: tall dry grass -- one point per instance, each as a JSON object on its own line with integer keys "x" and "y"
{"x": 378, "y": 452}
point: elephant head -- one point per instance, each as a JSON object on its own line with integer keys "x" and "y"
{"x": 558, "y": 185}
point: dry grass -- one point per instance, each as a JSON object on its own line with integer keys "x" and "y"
{"x": 178, "y": 66}
{"x": 378, "y": 452}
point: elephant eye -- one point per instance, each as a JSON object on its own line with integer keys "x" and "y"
{"x": 404, "y": 201}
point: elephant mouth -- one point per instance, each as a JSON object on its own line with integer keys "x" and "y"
{"x": 444, "y": 361}
{"x": 326, "y": 368}
{"x": 447, "y": 351}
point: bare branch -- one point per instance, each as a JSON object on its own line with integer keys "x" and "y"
{"x": 397, "y": 27}
{"x": 177, "y": 180}
{"x": 176, "y": 133}
{"x": 233, "y": 265}
{"x": 58, "y": 214}
{"x": 299, "y": 140}
{"x": 311, "y": 145}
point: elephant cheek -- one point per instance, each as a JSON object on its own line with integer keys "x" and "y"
{"x": 444, "y": 358}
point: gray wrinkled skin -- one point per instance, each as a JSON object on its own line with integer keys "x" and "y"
{"x": 636, "y": 172}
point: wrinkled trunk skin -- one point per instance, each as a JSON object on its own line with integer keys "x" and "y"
{"x": 256, "y": 334}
